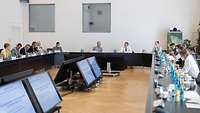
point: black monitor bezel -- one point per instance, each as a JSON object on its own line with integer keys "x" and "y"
{"x": 16, "y": 76}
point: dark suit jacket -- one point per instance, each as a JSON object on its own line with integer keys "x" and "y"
{"x": 23, "y": 51}
{"x": 32, "y": 50}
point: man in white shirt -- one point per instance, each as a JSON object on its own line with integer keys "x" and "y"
{"x": 126, "y": 48}
{"x": 190, "y": 65}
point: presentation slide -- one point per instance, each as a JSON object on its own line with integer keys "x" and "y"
{"x": 86, "y": 71}
{"x": 44, "y": 90}
{"x": 14, "y": 99}
{"x": 95, "y": 66}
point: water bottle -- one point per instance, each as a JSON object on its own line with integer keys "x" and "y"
{"x": 182, "y": 93}
{"x": 177, "y": 95}
{"x": 82, "y": 50}
{"x": 172, "y": 73}
{"x": 182, "y": 88}
{"x": 109, "y": 67}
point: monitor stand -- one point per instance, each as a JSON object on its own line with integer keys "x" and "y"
{"x": 97, "y": 84}
{"x": 111, "y": 73}
{"x": 88, "y": 90}
{"x": 55, "y": 109}
{"x": 69, "y": 85}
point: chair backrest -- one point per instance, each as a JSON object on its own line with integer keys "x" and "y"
{"x": 49, "y": 49}
{"x": 1, "y": 50}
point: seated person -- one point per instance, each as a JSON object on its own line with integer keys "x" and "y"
{"x": 33, "y": 48}
{"x": 157, "y": 48}
{"x": 57, "y": 48}
{"x": 179, "y": 60}
{"x": 192, "y": 52}
{"x": 190, "y": 65}
{"x": 39, "y": 47}
{"x": 6, "y": 53}
{"x": 16, "y": 50}
{"x": 98, "y": 48}
{"x": 173, "y": 48}
{"x": 126, "y": 48}
{"x": 24, "y": 50}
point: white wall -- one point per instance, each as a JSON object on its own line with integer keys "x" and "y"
{"x": 140, "y": 22}
{"x": 10, "y": 22}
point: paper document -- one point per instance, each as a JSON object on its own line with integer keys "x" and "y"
{"x": 192, "y": 95}
{"x": 196, "y": 106}
{"x": 194, "y": 101}
{"x": 157, "y": 103}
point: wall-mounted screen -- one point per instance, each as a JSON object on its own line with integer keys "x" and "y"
{"x": 96, "y": 17}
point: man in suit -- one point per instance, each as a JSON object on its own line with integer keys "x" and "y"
{"x": 24, "y": 50}
{"x": 33, "y": 48}
{"x": 16, "y": 50}
{"x": 98, "y": 48}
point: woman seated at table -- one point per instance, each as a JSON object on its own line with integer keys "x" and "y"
{"x": 126, "y": 48}
{"x": 6, "y": 53}
{"x": 190, "y": 65}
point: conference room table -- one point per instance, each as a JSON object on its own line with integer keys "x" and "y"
{"x": 119, "y": 61}
{"x": 170, "y": 106}
{"x": 35, "y": 63}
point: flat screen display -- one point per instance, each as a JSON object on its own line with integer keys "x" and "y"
{"x": 44, "y": 90}
{"x": 95, "y": 67}
{"x": 86, "y": 72}
{"x": 14, "y": 99}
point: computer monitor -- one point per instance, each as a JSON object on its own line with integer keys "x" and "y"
{"x": 0, "y": 80}
{"x": 86, "y": 72}
{"x": 67, "y": 68}
{"x": 45, "y": 91}
{"x": 14, "y": 99}
{"x": 95, "y": 67}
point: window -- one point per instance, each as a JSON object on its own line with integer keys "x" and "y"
{"x": 42, "y": 18}
{"x": 97, "y": 17}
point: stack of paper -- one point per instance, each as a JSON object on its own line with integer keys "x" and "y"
{"x": 194, "y": 106}
{"x": 157, "y": 103}
{"x": 191, "y": 95}
{"x": 194, "y": 99}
